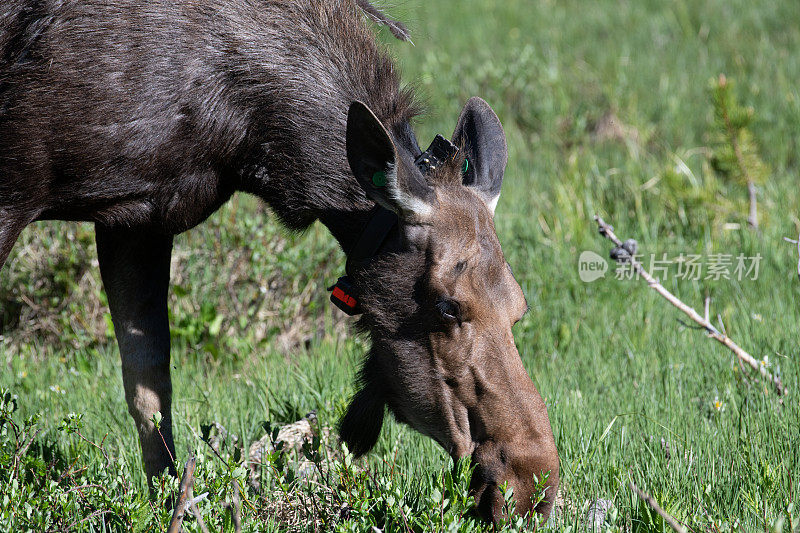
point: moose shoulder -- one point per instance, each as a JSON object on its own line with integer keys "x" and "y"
{"x": 145, "y": 117}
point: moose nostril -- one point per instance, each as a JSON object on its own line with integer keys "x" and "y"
{"x": 450, "y": 382}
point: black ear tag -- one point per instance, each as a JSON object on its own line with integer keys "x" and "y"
{"x": 342, "y": 296}
{"x": 440, "y": 151}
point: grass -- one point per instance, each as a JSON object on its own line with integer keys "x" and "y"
{"x": 607, "y": 110}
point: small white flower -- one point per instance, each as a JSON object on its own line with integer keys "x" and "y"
{"x": 719, "y": 405}
{"x": 57, "y": 389}
{"x": 765, "y": 361}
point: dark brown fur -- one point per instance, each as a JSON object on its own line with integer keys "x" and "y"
{"x": 145, "y": 116}
{"x": 132, "y": 113}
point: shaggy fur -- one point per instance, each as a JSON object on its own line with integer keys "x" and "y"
{"x": 145, "y": 116}
{"x": 132, "y": 113}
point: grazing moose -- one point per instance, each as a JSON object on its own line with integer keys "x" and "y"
{"x": 144, "y": 117}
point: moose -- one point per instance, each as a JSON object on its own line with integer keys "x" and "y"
{"x": 145, "y": 117}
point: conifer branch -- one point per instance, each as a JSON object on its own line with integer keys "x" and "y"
{"x": 732, "y": 135}
{"x": 736, "y": 152}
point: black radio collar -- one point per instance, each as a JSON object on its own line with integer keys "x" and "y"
{"x": 377, "y": 228}
{"x": 369, "y": 242}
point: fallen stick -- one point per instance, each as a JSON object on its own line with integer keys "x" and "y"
{"x": 183, "y": 496}
{"x": 623, "y": 254}
{"x": 195, "y": 500}
{"x": 191, "y": 505}
{"x": 797, "y": 242}
{"x": 198, "y": 517}
{"x": 237, "y": 508}
{"x": 674, "y": 524}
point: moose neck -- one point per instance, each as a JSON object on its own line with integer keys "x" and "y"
{"x": 304, "y": 175}
{"x": 316, "y": 186}
{"x": 296, "y": 100}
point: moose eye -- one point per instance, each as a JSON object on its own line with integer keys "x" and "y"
{"x": 449, "y": 309}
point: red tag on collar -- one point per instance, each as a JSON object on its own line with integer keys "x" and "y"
{"x": 342, "y": 297}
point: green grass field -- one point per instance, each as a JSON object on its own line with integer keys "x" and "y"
{"x": 607, "y": 110}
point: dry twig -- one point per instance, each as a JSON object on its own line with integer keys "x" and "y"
{"x": 199, "y": 518}
{"x": 184, "y": 496}
{"x": 622, "y": 254}
{"x": 237, "y": 508}
{"x": 797, "y": 242}
{"x": 646, "y": 498}
{"x": 21, "y": 453}
{"x": 84, "y": 519}
{"x": 752, "y": 217}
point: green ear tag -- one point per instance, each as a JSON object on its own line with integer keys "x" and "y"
{"x": 465, "y": 166}
{"x": 379, "y": 179}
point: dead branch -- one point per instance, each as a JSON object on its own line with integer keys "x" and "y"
{"x": 623, "y": 255}
{"x": 752, "y": 218}
{"x": 21, "y": 453}
{"x": 84, "y": 519}
{"x": 797, "y": 242}
{"x": 191, "y": 505}
{"x": 646, "y": 498}
{"x": 87, "y": 486}
{"x": 199, "y": 518}
{"x": 237, "y": 508}
{"x": 183, "y": 496}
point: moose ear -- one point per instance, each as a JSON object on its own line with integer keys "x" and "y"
{"x": 381, "y": 173}
{"x": 481, "y": 135}
{"x": 361, "y": 426}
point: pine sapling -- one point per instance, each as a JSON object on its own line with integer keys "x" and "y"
{"x": 735, "y": 153}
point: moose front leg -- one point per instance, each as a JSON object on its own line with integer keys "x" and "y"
{"x": 134, "y": 266}
{"x": 11, "y": 225}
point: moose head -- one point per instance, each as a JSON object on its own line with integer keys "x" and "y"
{"x": 439, "y": 307}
